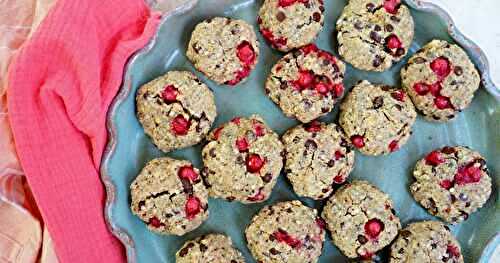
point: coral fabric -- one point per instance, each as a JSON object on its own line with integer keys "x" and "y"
{"x": 60, "y": 86}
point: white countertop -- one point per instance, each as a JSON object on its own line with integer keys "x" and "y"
{"x": 479, "y": 20}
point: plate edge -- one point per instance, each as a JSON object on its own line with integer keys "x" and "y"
{"x": 123, "y": 235}
{"x": 124, "y": 91}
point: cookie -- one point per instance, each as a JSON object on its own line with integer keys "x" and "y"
{"x": 242, "y": 160}
{"x": 225, "y": 50}
{"x": 377, "y": 118}
{"x": 317, "y": 156}
{"x": 441, "y": 80}
{"x": 361, "y": 219}
{"x": 289, "y": 24}
{"x": 306, "y": 83}
{"x": 286, "y": 232}
{"x": 176, "y": 110}
{"x": 209, "y": 248}
{"x": 426, "y": 241}
{"x": 169, "y": 196}
{"x": 451, "y": 183}
{"x": 374, "y": 34}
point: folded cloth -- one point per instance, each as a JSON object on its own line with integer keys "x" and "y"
{"x": 60, "y": 86}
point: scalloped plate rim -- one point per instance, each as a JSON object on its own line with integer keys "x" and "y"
{"x": 124, "y": 236}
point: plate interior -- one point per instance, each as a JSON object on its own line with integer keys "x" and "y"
{"x": 477, "y": 127}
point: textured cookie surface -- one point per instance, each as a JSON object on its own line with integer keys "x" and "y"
{"x": 176, "y": 110}
{"x": 451, "y": 183}
{"x": 317, "y": 156}
{"x": 361, "y": 219}
{"x": 374, "y": 34}
{"x": 306, "y": 83}
{"x": 225, "y": 50}
{"x": 427, "y": 241}
{"x": 242, "y": 160}
{"x": 441, "y": 80}
{"x": 169, "y": 196}
{"x": 289, "y": 24}
{"x": 286, "y": 232}
{"x": 209, "y": 248}
{"x": 377, "y": 118}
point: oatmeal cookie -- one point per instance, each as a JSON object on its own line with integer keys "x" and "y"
{"x": 242, "y": 160}
{"x": 169, "y": 196}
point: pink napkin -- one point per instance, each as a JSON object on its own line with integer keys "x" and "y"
{"x": 61, "y": 84}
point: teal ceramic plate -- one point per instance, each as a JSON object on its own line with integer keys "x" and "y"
{"x": 129, "y": 149}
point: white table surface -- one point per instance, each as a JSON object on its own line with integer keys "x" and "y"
{"x": 479, "y": 20}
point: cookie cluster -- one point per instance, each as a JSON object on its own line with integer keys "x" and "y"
{"x": 243, "y": 158}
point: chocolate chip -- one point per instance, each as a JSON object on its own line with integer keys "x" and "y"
{"x": 267, "y": 178}
{"x": 458, "y": 70}
{"x": 325, "y": 110}
{"x": 389, "y": 28}
{"x": 400, "y": 51}
{"x": 375, "y": 36}
{"x": 377, "y": 61}
{"x": 233, "y": 261}
{"x": 481, "y": 162}
{"x": 239, "y": 160}
{"x": 283, "y": 85}
{"x": 203, "y": 248}
{"x": 462, "y": 197}
{"x": 209, "y": 20}
{"x": 343, "y": 143}
{"x": 310, "y": 145}
{"x": 307, "y": 5}
{"x": 331, "y": 163}
{"x": 386, "y": 87}
{"x": 395, "y": 19}
{"x": 324, "y": 190}
{"x": 405, "y": 233}
{"x": 321, "y": 8}
{"x": 296, "y": 53}
{"x": 378, "y": 102}
{"x": 433, "y": 245}
{"x": 280, "y": 16}
{"x": 432, "y": 206}
{"x": 289, "y": 210}
{"x": 358, "y": 25}
{"x": 168, "y": 215}
{"x": 307, "y": 104}
{"x": 446, "y": 227}
{"x": 183, "y": 252}
{"x": 377, "y": 28}
{"x": 230, "y": 198}
{"x": 453, "y": 199}
{"x": 326, "y": 62}
{"x": 370, "y": 7}
{"x": 211, "y": 152}
{"x": 419, "y": 60}
{"x": 362, "y": 239}
{"x": 141, "y": 204}
{"x": 317, "y": 16}
{"x": 464, "y": 215}
{"x": 274, "y": 251}
{"x": 448, "y": 150}
{"x": 467, "y": 204}
{"x": 187, "y": 186}
{"x": 336, "y": 69}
